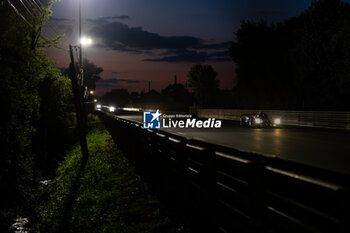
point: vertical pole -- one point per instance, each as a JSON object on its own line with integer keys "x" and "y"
{"x": 82, "y": 96}
{"x": 80, "y": 45}
{"x": 78, "y": 107}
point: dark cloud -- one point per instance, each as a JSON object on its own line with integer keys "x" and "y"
{"x": 98, "y": 45}
{"x": 121, "y": 17}
{"x": 102, "y": 20}
{"x": 97, "y": 21}
{"x": 193, "y": 57}
{"x": 123, "y": 48}
{"x": 136, "y": 40}
{"x": 64, "y": 25}
{"x": 119, "y": 36}
{"x": 114, "y": 82}
{"x": 223, "y": 45}
{"x": 119, "y": 72}
{"x": 128, "y": 81}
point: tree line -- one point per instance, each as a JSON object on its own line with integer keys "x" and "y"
{"x": 300, "y": 63}
{"x": 200, "y": 90}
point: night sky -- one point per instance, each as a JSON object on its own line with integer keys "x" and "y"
{"x": 137, "y": 40}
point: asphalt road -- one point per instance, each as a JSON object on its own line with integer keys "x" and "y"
{"x": 323, "y": 148}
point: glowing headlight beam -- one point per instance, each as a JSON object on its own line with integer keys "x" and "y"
{"x": 111, "y": 109}
{"x": 277, "y": 121}
{"x": 258, "y": 120}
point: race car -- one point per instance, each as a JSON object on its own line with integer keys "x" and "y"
{"x": 259, "y": 119}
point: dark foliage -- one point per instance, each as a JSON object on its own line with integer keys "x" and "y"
{"x": 35, "y": 112}
{"x": 176, "y": 97}
{"x": 91, "y": 74}
{"x": 56, "y": 124}
{"x": 118, "y": 97}
{"x": 300, "y": 63}
{"x": 202, "y": 78}
{"x": 105, "y": 195}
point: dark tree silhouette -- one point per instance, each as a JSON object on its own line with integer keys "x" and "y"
{"x": 176, "y": 97}
{"x": 300, "y": 63}
{"x": 202, "y": 78}
{"x": 116, "y": 97}
{"x": 91, "y": 74}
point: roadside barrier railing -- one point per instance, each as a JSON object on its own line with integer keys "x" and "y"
{"x": 220, "y": 189}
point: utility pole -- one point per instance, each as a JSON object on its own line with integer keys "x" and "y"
{"x": 79, "y": 107}
{"x": 80, "y": 45}
{"x": 80, "y": 93}
{"x": 81, "y": 70}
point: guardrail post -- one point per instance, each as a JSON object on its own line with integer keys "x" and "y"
{"x": 180, "y": 178}
{"x": 345, "y": 215}
{"x": 210, "y": 179}
{"x": 257, "y": 191}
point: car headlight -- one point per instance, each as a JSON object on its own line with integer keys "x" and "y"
{"x": 277, "y": 121}
{"x": 258, "y": 120}
{"x": 111, "y": 109}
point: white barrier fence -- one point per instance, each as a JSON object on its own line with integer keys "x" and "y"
{"x": 321, "y": 119}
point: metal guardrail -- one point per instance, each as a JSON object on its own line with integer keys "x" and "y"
{"x": 227, "y": 190}
{"x": 323, "y": 119}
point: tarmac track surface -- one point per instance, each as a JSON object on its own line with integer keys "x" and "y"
{"x": 323, "y": 148}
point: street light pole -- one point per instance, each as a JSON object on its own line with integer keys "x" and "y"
{"x": 79, "y": 108}
{"x": 78, "y": 96}
{"x": 81, "y": 97}
{"x": 80, "y": 44}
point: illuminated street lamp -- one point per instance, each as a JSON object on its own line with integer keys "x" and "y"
{"x": 85, "y": 41}
{"x": 92, "y": 92}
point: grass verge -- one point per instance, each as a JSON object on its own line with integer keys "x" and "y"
{"x": 106, "y": 195}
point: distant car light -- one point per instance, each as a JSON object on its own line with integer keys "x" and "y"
{"x": 258, "y": 120}
{"x": 111, "y": 109}
{"x": 98, "y": 106}
{"x": 132, "y": 109}
{"x": 277, "y": 121}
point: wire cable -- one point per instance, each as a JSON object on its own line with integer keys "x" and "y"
{"x": 30, "y": 25}
{"x": 36, "y": 4}
{"x": 39, "y": 3}
{"x": 19, "y": 14}
{"x": 51, "y": 27}
{"x": 25, "y": 7}
{"x": 49, "y": 24}
{"x": 55, "y": 34}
